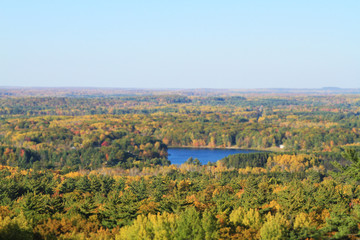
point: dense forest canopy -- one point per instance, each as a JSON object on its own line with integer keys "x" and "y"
{"x": 84, "y": 164}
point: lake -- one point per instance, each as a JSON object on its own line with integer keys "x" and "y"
{"x": 180, "y": 155}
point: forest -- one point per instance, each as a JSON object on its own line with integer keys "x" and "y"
{"x": 94, "y": 165}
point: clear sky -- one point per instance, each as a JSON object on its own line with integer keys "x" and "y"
{"x": 180, "y": 44}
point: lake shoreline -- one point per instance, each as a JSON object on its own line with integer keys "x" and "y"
{"x": 204, "y": 155}
{"x": 228, "y": 148}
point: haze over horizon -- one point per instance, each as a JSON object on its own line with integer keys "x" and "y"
{"x": 187, "y": 44}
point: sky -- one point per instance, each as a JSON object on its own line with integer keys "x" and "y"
{"x": 180, "y": 44}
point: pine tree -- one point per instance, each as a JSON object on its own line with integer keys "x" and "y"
{"x": 189, "y": 225}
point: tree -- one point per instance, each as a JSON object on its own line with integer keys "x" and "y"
{"x": 189, "y": 225}
{"x": 17, "y": 228}
{"x": 83, "y": 184}
{"x": 275, "y": 228}
{"x": 352, "y": 171}
{"x": 210, "y": 225}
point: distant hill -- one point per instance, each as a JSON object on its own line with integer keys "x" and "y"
{"x": 115, "y": 92}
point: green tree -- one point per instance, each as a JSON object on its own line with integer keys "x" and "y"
{"x": 189, "y": 225}
{"x": 210, "y": 225}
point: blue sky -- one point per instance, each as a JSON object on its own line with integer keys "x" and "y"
{"x": 180, "y": 44}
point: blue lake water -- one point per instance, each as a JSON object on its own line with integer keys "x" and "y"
{"x": 180, "y": 155}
